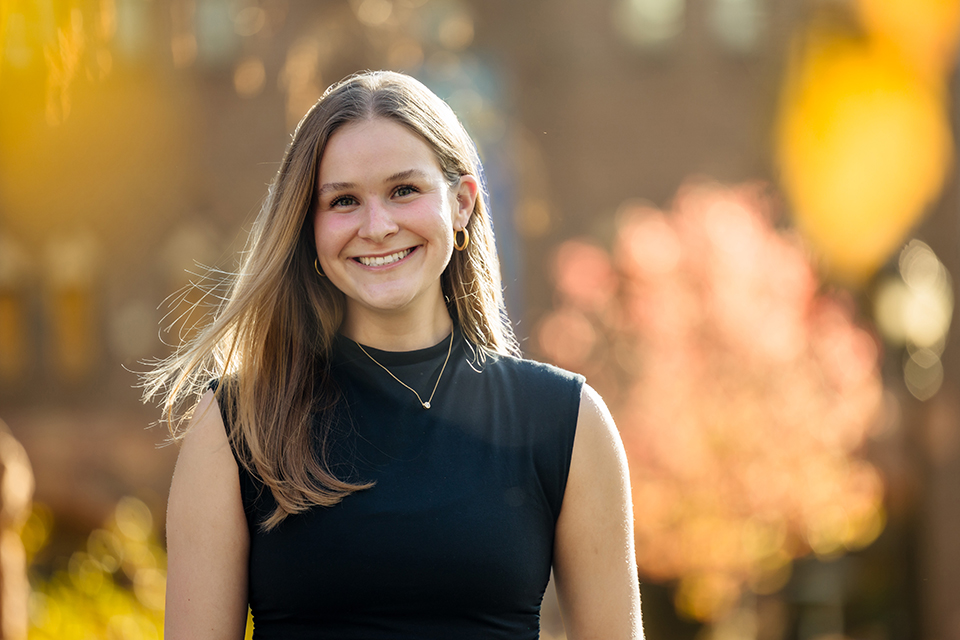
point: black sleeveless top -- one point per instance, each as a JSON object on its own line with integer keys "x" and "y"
{"x": 455, "y": 540}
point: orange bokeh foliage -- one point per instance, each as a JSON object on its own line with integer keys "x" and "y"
{"x": 742, "y": 392}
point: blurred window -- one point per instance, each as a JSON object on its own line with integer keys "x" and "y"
{"x": 650, "y": 24}
{"x": 133, "y": 28}
{"x": 737, "y": 24}
{"x": 217, "y": 38}
{"x": 14, "y": 336}
{"x": 71, "y": 275}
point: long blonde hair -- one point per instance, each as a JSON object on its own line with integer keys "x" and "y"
{"x": 269, "y": 342}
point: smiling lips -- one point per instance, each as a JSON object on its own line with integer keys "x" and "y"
{"x": 381, "y": 261}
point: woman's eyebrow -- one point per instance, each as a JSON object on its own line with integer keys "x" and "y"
{"x": 404, "y": 175}
{"x": 334, "y": 186}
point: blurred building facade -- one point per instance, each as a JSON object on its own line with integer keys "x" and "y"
{"x": 136, "y": 151}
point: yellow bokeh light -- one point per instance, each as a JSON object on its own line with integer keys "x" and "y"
{"x": 456, "y": 32}
{"x": 863, "y": 530}
{"x": 93, "y": 598}
{"x": 891, "y": 297}
{"x": 762, "y": 540}
{"x": 105, "y": 547}
{"x": 134, "y": 519}
{"x": 863, "y": 145}
{"x": 923, "y": 373}
{"x": 773, "y": 573}
{"x": 705, "y": 596}
{"x": 36, "y": 531}
{"x": 924, "y": 31}
{"x": 149, "y": 585}
{"x": 372, "y": 13}
{"x": 916, "y": 308}
{"x": 249, "y": 77}
{"x": 86, "y": 573}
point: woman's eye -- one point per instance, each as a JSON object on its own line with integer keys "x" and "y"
{"x": 343, "y": 201}
{"x": 405, "y": 190}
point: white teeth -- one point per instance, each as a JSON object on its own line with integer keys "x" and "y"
{"x": 383, "y": 260}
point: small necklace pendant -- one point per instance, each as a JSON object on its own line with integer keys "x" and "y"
{"x": 425, "y": 405}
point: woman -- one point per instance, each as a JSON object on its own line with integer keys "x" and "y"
{"x": 376, "y": 462}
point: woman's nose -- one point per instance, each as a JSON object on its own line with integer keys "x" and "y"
{"x": 378, "y": 222}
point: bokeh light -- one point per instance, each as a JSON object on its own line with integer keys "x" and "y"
{"x": 249, "y": 77}
{"x": 925, "y": 32}
{"x": 743, "y": 394}
{"x": 864, "y": 146}
{"x": 863, "y": 137}
{"x": 112, "y": 589}
{"x": 649, "y": 24}
{"x": 372, "y": 13}
{"x": 914, "y": 310}
{"x": 670, "y": 317}
{"x": 738, "y": 24}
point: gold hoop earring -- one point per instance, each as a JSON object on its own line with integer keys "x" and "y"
{"x": 460, "y": 246}
{"x": 316, "y": 267}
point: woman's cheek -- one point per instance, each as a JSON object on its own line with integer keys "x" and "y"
{"x": 330, "y": 231}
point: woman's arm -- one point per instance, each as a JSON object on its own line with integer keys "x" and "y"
{"x": 207, "y": 538}
{"x": 593, "y": 559}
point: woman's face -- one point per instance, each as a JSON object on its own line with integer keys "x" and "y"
{"x": 385, "y": 217}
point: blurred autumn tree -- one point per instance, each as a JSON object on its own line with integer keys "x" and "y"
{"x": 742, "y": 392}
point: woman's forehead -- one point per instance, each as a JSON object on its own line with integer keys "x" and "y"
{"x": 374, "y": 147}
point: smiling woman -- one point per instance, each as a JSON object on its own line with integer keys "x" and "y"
{"x": 374, "y": 460}
{"x": 384, "y": 225}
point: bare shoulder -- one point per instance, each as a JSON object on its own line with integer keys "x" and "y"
{"x": 206, "y": 431}
{"x": 599, "y": 478}
{"x": 597, "y": 437}
{"x": 207, "y": 536}
{"x": 206, "y": 475}
{"x": 594, "y": 561}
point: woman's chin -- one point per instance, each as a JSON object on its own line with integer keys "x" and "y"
{"x": 388, "y": 306}
{"x": 394, "y": 303}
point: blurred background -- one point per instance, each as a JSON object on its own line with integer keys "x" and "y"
{"x": 738, "y": 218}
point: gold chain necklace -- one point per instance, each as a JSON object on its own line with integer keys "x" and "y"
{"x": 426, "y": 405}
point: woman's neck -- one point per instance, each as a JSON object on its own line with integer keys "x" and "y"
{"x": 396, "y": 332}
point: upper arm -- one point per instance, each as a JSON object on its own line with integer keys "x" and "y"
{"x": 207, "y": 537}
{"x": 594, "y": 562}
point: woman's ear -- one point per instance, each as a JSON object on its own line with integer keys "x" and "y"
{"x": 466, "y": 194}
